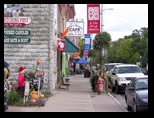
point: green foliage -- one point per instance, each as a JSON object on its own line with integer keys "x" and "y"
{"x": 93, "y": 80}
{"x": 130, "y": 48}
{"x": 81, "y": 44}
{"x": 29, "y": 75}
{"x": 109, "y": 80}
{"x": 91, "y": 53}
{"x": 101, "y": 39}
{"x": 14, "y": 98}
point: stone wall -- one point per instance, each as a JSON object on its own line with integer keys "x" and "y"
{"x": 41, "y": 45}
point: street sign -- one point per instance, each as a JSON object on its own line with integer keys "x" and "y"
{"x": 85, "y": 52}
{"x": 86, "y": 35}
{"x": 25, "y": 20}
{"x": 87, "y": 46}
{"x": 16, "y": 40}
{"x": 17, "y": 32}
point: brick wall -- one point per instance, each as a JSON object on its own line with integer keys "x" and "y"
{"x": 41, "y": 45}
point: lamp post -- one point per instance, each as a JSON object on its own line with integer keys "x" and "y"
{"x": 141, "y": 62}
{"x": 105, "y": 84}
{"x": 102, "y": 16}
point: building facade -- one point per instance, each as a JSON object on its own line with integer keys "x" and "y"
{"x": 42, "y": 45}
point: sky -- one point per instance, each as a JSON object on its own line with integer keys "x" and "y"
{"x": 119, "y": 22}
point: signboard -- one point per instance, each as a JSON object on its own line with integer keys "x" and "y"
{"x": 61, "y": 45}
{"x": 14, "y": 24}
{"x": 16, "y": 20}
{"x": 85, "y": 52}
{"x": 17, "y": 32}
{"x": 76, "y": 28}
{"x": 93, "y": 18}
{"x": 87, "y": 47}
{"x": 87, "y": 42}
{"x": 16, "y": 40}
{"x": 26, "y": 88}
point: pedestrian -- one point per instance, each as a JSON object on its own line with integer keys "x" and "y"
{"x": 6, "y": 84}
{"x": 21, "y": 81}
{"x": 6, "y": 70}
{"x": 99, "y": 82}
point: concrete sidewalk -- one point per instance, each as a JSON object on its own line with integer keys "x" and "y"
{"x": 79, "y": 98}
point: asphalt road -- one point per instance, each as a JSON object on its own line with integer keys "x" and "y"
{"x": 120, "y": 98}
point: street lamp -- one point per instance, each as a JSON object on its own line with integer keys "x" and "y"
{"x": 102, "y": 16}
{"x": 141, "y": 62}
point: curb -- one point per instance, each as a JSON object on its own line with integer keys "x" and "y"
{"x": 117, "y": 103}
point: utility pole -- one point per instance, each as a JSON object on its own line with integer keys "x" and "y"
{"x": 101, "y": 17}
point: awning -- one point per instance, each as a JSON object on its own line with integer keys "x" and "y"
{"x": 81, "y": 61}
{"x": 70, "y": 47}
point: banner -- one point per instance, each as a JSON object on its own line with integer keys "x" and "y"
{"x": 93, "y": 18}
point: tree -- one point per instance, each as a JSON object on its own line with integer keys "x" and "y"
{"x": 81, "y": 44}
{"x": 101, "y": 42}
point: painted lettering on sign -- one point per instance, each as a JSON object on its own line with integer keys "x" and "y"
{"x": 25, "y": 20}
{"x": 14, "y": 24}
{"x": 16, "y": 40}
{"x": 16, "y": 32}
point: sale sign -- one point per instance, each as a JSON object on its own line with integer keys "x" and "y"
{"x": 93, "y": 18}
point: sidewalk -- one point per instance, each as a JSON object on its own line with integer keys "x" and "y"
{"x": 79, "y": 98}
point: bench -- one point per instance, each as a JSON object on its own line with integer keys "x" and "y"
{"x": 65, "y": 82}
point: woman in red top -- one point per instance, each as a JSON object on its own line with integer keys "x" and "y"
{"x": 21, "y": 81}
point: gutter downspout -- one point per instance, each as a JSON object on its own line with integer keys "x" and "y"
{"x": 49, "y": 82}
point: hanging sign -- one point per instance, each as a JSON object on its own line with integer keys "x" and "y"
{"x": 93, "y": 18}
{"x": 16, "y": 40}
{"x": 61, "y": 45}
{"x": 76, "y": 28}
{"x": 17, "y": 32}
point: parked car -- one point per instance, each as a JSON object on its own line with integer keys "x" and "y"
{"x": 122, "y": 75}
{"x": 136, "y": 94}
{"x": 109, "y": 67}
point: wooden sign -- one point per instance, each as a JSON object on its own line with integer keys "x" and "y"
{"x": 17, "y": 32}
{"x": 16, "y": 40}
{"x": 26, "y": 88}
{"x": 25, "y": 20}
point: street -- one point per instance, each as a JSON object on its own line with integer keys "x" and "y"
{"x": 120, "y": 98}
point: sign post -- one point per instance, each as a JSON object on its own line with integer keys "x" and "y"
{"x": 26, "y": 93}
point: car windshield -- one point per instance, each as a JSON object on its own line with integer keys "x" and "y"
{"x": 142, "y": 83}
{"x": 109, "y": 67}
{"x": 129, "y": 69}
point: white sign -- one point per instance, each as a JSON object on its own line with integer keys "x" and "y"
{"x": 76, "y": 28}
{"x": 26, "y": 88}
{"x": 87, "y": 40}
{"x": 25, "y": 20}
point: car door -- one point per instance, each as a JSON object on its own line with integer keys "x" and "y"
{"x": 113, "y": 76}
{"x": 130, "y": 90}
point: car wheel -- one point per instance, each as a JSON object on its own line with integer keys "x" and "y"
{"x": 113, "y": 89}
{"x": 117, "y": 89}
{"x": 127, "y": 106}
{"x": 135, "y": 107}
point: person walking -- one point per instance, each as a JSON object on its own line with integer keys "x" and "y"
{"x": 6, "y": 84}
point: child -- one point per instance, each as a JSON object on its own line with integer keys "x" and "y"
{"x": 21, "y": 81}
